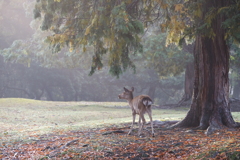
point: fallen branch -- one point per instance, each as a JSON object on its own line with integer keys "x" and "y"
{"x": 110, "y": 132}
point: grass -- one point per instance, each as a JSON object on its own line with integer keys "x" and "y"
{"x": 24, "y": 117}
{"x": 33, "y": 129}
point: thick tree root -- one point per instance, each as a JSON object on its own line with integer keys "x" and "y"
{"x": 209, "y": 129}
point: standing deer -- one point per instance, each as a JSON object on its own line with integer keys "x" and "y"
{"x": 139, "y": 105}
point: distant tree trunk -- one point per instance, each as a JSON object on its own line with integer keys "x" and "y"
{"x": 189, "y": 78}
{"x": 210, "y": 104}
{"x": 236, "y": 90}
{"x": 21, "y": 90}
{"x": 38, "y": 94}
{"x": 76, "y": 95}
{"x": 151, "y": 91}
{"x": 49, "y": 94}
{"x": 188, "y": 84}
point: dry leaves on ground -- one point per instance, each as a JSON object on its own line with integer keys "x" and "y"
{"x": 112, "y": 142}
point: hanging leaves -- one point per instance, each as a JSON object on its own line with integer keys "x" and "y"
{"x": 110, "y": 27}
{"x": 115, "y": 25}
{"x": 166, "y": 60}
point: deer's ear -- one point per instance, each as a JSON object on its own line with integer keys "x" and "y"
{"x": 125, "y": 89}
{"x": 132, "y": 89}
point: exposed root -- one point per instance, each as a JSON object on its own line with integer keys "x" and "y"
{"x": 180, "y": 124}
{"x": 237, "y": 125}
{"x": 201, "y": 127}
{"x": 211, "y": 129}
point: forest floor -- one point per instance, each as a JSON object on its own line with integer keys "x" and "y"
{"x": 110, "y": 140}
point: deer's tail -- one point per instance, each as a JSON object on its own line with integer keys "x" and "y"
{"x": 147, "y": 101}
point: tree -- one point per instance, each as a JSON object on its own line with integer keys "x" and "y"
{"x": 113, "y": 28}
{"x": 169, "y": 60}
{"x": 104, "y": 24}
{"x": 210, "y": 105}
{"x": 235, "y": 66}
{"x": 13, "y": 22}
{"x": 166, "y": 60}
{"x": 13, "y": 25}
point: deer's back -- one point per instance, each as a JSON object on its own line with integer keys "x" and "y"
{"x": 141, "y": 103}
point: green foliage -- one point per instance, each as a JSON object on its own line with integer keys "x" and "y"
{"x": 166, "y": 60}
{"x": 189, "y": 18}
{"x": 235, "y": 67}
{"x": 36, "y": 14}
{"x": 48, "y": 18}
{"x": 17, "y": 53}
{"x": 232, "y": 22}
{"x": 235, "y": 56}
{"x": 108, "y": 26}
{"x": 114, "y": 28}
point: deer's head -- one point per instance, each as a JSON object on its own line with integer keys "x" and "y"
{"x": 127, "y": 94}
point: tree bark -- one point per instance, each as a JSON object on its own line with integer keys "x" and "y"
{"x": 210, "y": 104}
{"x": 188, "y": 84}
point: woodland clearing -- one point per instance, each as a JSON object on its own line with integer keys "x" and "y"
{"x": 98, "y": 130}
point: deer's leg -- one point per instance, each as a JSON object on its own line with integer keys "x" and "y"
{"x": 139, "y": 121}
{"x": 149, "y": 111}
{"x": 141, "y": 125}
{"x": 141, "y": 118}
{"x": 134, "y": 116}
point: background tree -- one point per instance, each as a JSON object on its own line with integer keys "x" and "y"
{"x": 47, "y": 83}
{"x": 235, "y": 72}
{"x": 113, "y": 28}
{"x": 13, "y": 22}
{"x": 13, "y": 25}
{"x": 210, "y": 106}
{"x": 110, "y": 32}
{"x": 170, "y": 60}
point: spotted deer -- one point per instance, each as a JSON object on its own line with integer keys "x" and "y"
{"x": 139, "y": 105}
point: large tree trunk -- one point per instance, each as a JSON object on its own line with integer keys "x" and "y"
{"x": 210, "y": 104}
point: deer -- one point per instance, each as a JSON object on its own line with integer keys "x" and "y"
{"x": 139, "y": 105}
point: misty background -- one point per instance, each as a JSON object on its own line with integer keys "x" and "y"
{"x": 29, "y": 68}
